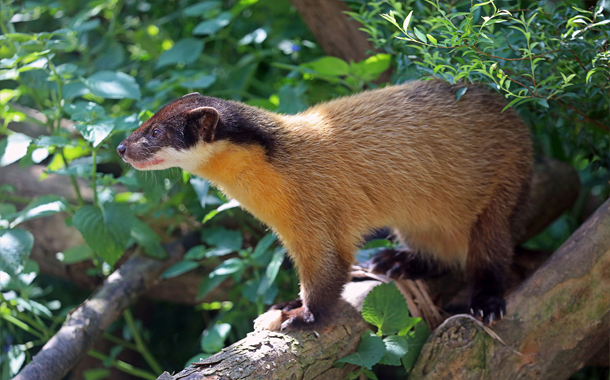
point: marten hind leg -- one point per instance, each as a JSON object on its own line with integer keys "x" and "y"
{"x": 321, "y": 288}
{"x": 489, "y": 257}
{"x": 406, "y": 262}
{"x": 402, "y": 262}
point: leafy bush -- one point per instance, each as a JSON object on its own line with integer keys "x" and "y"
{"x": 550, "y": 60}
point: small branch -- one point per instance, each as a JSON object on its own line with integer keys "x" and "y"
{"x": 88, "y": 322}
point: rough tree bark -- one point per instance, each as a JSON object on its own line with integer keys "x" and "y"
{"x": 555, "y": 321}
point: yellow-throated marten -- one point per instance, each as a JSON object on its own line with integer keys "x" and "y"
{"x": 450, "y": 177}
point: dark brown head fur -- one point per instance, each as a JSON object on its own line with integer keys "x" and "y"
{"x": 192, "y": 118}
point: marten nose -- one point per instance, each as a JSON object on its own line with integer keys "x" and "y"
{"x": 121, "y": 149}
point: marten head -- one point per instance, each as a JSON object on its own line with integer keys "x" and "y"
{"x": 183, "y": 133}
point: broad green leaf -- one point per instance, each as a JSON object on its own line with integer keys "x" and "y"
{"x": 370, "y": 350}
{"x": 126, "y": 123}
{"x": 86, "y": 112}
{"x": 386, "y": 308}
{"x": 106, "y": 231}
{"x": 395, "y": 348}
{"x": 42, "y": 206}
{"x": 7, "y": 212}
{"x": 372, "y": 67}
{"x": 202, "y": 82}
{"x": 186, "y": 50}
{"x": 97, "y": 132}
{"x": 213, "y": 338}
{"x": 148, "y": 239}
{"x": 179, "y": 268}
{"x": 222, "y": 238}
{"x": 14, "y": 147}
{"x": 332, "y": 66}
{"x": 15, "y": 247}
{"x": 432, "y": 39}
{"x": 51, "y": 141}
{"x": 210, "y": 27}
{"x": 113, "y": 85}
{"x": 420, "y": 36}
{"x": 292, "y": 98}
{"x": 74, "y": 89}
{"x": 75, "y": 254}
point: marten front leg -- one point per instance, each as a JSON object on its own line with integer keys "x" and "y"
{"x": 322, "y": 282}
{"x": 404, "y": 263}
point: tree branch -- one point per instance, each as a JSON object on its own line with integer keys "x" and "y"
{"x": 556, "y": 320}
{"x": 87, "y": 322}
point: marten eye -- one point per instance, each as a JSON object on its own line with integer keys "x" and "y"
{"x": 155, "y": 133}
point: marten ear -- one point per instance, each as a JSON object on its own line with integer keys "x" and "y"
{"x": 206, "y": 119}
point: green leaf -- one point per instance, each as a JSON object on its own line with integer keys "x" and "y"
{"x": 126, "y": 123}
{"x": 42, "y": 206}
{"x": 420, "y": 35}
{"x": 201, "y": 187}
{"x": 51, "y": 141}
{"x": 86, "y": 112}
{"x": 202, "y": 82}
{"x": 264, "y": 244}
{"x": 75, "y": 254}
{"x": 201, "y": 8}
{"x": 460, "y": 92}
{"x": 222, "y": 238}
{"x": 96, "y": 374}
{"x": 228, "y": 267}
{"x": 96, "y": 133}
{"x": 197, "y": 253}
{"x": 386, "y": 308}
{"x": 15, "y": 247}
{"x": 432, "y": 39}
{"x": 272, "y": 270}
{"x": 415, "y": 341}
{"x": 210, "y": 283}
{"x": 113, "y": 85}
{"x": 370, "y": 350}
{"x": 405, "y": 24}
{"x": 106, "y": 231}
{"x": 210, "y": 27}
{"x": 332, "y": 66}
{"x": 213, "y": 339}
{"x": 13, "y": 148}
{"x": 395, "y": 348}
{"x": 148, "y": 239}
{"x": 179, "y": 268}
{"x": 543, "y": 103}
{"x": 186, "y": 50}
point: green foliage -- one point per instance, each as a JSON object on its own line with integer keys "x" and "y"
{"x": 550, "y": 60}
{"x": 386, "y": 309}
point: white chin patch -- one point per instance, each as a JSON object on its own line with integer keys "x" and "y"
{"x": 164, "y": 158}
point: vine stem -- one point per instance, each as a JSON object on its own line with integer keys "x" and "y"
{"x": 94, "y": 176}
{"x": 140, "y": 343}
{"x": 79, "y": 197}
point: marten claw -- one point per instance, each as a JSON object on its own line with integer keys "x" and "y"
{"x": 487, "y": 308}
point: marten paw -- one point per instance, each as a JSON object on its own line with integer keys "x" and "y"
{"x": 488, "y": 308}
{"x": 288, "y": 305}
{"x": 279, "y": 320}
